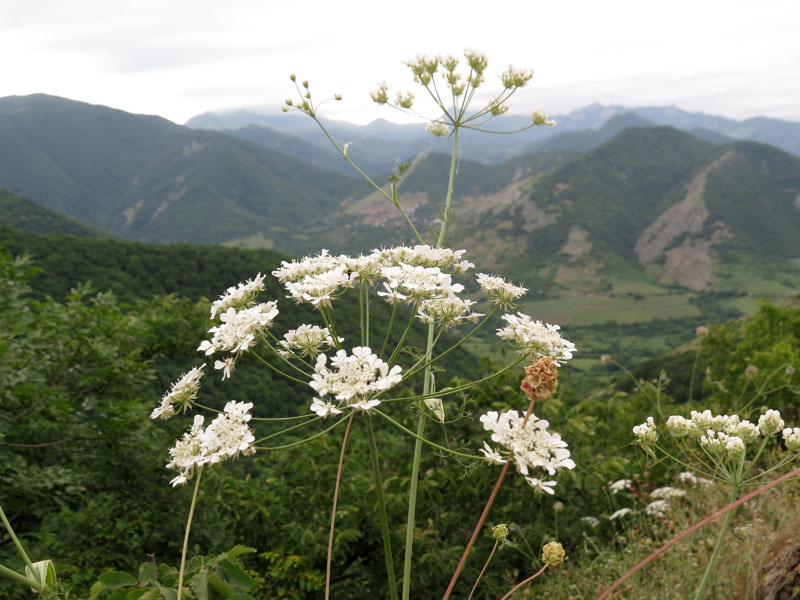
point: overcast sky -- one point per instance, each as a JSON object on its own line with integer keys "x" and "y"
{"x": 179, "y": 58}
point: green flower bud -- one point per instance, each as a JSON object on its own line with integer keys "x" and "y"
{"x": 293, "y": 77}
{"x": 337, "y": 97}
{"x": 381, "y": 95}
{"x": 500, "y": 532}
{"x": 553, "y": 555}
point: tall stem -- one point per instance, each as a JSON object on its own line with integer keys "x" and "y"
{"x": 387, "y": 542}
{"x": 449, "y": 197}
{"x": 483, "y": 570}
{"x": 717, "y": 547}
{"x": 186, "y": 536}
{"x": 16, "y": 541}
{"x": 333, "y": 510}
{"x": 412, "y": 492}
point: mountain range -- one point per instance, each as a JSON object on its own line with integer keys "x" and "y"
{"x": 598, "y": 217}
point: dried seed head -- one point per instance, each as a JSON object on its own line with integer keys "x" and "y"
{"x": 541, "y": 379}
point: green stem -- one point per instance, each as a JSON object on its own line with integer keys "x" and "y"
{"x": 366, "y": 317}
{"x": 412, "y": 492}
{"x": 402, "y": 341}
{"x": 717, "y": 548}
{"x": 287, "y": 430}
{"x": 427, "y": 441}
{"x": 694, "y": 371}
{"x": 388, "y": 329}
{"x": 186, "y": 536}
{"x": 449, "y": 197}
{"x": 16, "y": 541}
{"x": 277, "y": 370}
{"x": 333, "y": 510}
{"x": 303, "y": 441}
{"x": 21, "y": 578}
{"x": 387, "y": 542}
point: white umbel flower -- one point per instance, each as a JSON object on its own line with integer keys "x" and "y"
{"x": 532, "y": 447}
{"x": 227, "y": 436}
{"x": 238, "y": 330}
{"x": 770, "y": 423}
{"x": 182, "y": 393}
{"x": 238, "y": 296}
{"x": 354, "y": 379}
{"x": 499, "y": 290}
{"x": 791, "y": 437}
{"x": 307, "y": 340}
{"x": 657, "y": 508}
{"x": 536, "y": 339}
{"x": 620, "y": 485}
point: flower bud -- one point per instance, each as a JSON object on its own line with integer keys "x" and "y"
{"x": 770, "y": 423}
{"x": 337, "y": 97}
{"x": 553, "y": 555}
{"x": 500, "y": 532}
{"x": 293, "y": 77}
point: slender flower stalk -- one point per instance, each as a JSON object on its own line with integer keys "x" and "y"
{"x": 15, "y": 539}
{"x": 186, "y": 535}
{"x": 333, "y": 510}
{"x": 387, "y": 541}
{"x": 485, "y": 512}
{"x": 483, "y": 570}
{"x": 524, "y": 583}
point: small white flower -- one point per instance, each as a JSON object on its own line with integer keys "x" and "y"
{"x": 770, "y": 423}
{"x": 646, "y": 432}
{"x": 238, "y": 329}
{"x": 182, "y": 393}
{"x": 536, "y": 339}
{"x": 354, "y": 379}
{"x": 540, "y": 485}
{"x": 492, "y": 455}
{"x": 657, "y": 508}
{"x": 226, "y": 365}
{"x": 667, "y": 492}
{"x": 323, "y": 409}
{"x": 307, "y": 340}
{"x": 619, "y": 485}
{"x": 239, "y": 296}
{"x": 620, "y": 513}
{"x": 687, "y": 477}
{"x": 679, "y": 426}
{"x": 591, "y": 521}
{"x": 791, "y": 437}
{"x": 499, "y": 290}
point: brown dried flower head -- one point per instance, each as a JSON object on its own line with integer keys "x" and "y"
{"x": 541, "y": 379}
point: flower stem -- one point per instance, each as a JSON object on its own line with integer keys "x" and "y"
{"x": 186, "y": 536}
{"x": 333, "y": 510}
{"x": 449, "y": 197}
{"x": 483, "y": 570}
{"x": 387, "y": 542}
{"x": 16, "y": 541}
{"x": 717, "y": 547}
{"x": 525, "y": 582}
{"x": 412, "y": 492}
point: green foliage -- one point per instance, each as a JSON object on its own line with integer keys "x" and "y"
{"x": 20, "y": 213}
{"x": 206, "y": 578}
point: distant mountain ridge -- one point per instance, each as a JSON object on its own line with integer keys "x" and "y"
{"x": 409, "y": 140}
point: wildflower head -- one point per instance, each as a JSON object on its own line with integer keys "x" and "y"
{"x": 542, "y": 118}
{"x": 791, "y": 437}
{"x": 535, "y": 339}
{"x": 181, "y": 394}
{"x": 500, "y": 532}
{"x": 646, "y": 433}
{"x": 701, "y": 331}
{"x": 751, "y": 370}
{"x": 553, "y": 555}
{"x": 541, "y": 379}
{"x": 770, "y": 423}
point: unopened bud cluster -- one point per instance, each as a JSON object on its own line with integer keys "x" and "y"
{"x": 553, "y": 555}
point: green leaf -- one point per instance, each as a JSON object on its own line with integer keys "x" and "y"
{"x": 116, "y": 579}
{"x": 236, "y": 575}
{"x": 200, "y": 585}
{"x": 147, "y": 573}
{"x": 238, "y": 551}
{"x": 223, "y": 588}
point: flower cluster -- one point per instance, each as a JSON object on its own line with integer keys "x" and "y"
{"x": 530, "y": 445}
{"x": 227, "y": 436}
{"x": 536, "y": 339}
{"x": 182, "y": 393}
{"x": 307, "y": 340}
{"x": 541, "y": 379}
{"x": 353, "y": 379}
{"x": 241, "y": 295}
{"x": 238, "y": 330}
{"x": 499, "y": 290}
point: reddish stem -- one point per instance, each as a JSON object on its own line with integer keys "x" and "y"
{"x": 485, "y": 513}
{"x": 333, "y": 511}
{"x": 525, "y": 582}
{"x": 694, "y": 528}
